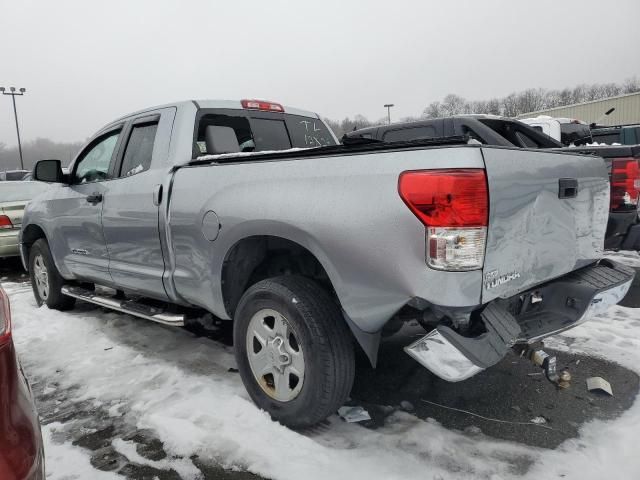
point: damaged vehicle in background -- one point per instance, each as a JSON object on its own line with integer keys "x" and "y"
{"x": 246, "y": 211}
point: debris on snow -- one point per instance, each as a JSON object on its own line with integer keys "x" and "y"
{"x": 599, "y": 384}
{"x": 353, "y": 414}
{"x": 538, "y": 420}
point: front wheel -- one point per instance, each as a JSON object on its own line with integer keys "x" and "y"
{"x": 293, "y": 349}
{"x": 45, "y": 278}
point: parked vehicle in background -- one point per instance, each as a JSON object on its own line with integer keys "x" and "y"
{"x": 622, "y": 162}
{"x": 165, "y": 217}
{"x": 568, "y": 131}
{"x": 13, "y": 175}
{"x": 14, "y": 196}
{"x": 21, "y": 447}
{"x": 620, "y": 134}
{"x": 486, "y": 129}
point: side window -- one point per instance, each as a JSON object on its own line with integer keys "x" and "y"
{"x": 94, "y": 164}
{"x": 139, "y": 150}
{"x": 408, "y": 134}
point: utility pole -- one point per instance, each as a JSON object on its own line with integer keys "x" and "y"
{"x": 388, "y": 107}
{"x": 13, "y": 93}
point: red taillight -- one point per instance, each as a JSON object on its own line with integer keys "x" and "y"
{"x": 262, "y": 105}
{"x": 5, "y": 222}
{"x": 447, "y": 198}
{"x": 625, "y": 183}
{"x": 5, "y": 318}
{"x": 454, "y": 206}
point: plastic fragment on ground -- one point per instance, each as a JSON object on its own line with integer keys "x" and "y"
{"x": 599, "y": 384}
{"x": 353, "y": 414}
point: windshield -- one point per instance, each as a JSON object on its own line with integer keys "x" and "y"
{"x": 258, "y": 131}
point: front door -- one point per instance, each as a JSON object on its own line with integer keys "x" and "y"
{"x": 77, "y": 209}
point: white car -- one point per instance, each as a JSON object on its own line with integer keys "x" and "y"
{"x": 569, "y": 131}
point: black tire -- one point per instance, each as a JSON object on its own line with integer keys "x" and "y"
{"x": 321, "y": 334}
{"x": 54, "y": 299}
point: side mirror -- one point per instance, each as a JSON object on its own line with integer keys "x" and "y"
{"x": 49, "y": 171}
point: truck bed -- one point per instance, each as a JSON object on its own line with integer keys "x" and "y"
{"x": 341, "y": 203}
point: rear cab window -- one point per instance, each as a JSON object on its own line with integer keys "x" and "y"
{"x": 258, "y": 131}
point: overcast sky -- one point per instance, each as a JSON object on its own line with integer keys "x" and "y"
{"x": 86, "y": 62}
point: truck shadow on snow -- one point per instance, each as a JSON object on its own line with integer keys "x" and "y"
{"x": 509, "y": 395}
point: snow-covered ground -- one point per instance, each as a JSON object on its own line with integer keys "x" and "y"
{"x": 181, "y": 387}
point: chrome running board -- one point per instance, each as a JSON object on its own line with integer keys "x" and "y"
{"x": 126, "y": 306}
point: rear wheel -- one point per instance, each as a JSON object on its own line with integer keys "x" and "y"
{"x": 45, "y": 278}
{"x": 293, "y": 349}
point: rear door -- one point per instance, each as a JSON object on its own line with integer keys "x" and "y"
{"x": 547, "y": 216}
{"x": 130, "y": 215}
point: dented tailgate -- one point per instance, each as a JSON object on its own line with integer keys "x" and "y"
{"x": 547, "y": 216}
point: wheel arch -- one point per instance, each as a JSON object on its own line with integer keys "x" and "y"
{"x": 257, "y": 257}
{"x": 29, "y": 235}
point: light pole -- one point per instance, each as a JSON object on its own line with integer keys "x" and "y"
{"x": 388, "y": 107}
{"x": 13, "y": 93}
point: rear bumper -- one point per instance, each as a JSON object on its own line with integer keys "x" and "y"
{"x": 526, "y": 318}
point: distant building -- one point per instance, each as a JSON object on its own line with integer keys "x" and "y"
{"x": 627, "y": 110}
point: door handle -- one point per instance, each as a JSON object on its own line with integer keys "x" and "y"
{"x": 94, "y": 198}
{"x": 567, "y": 188}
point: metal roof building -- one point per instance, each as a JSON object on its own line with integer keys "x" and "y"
{"x": 627, "y": 110}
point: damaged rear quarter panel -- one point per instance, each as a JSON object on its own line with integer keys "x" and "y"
{"x": 344, "y": 209}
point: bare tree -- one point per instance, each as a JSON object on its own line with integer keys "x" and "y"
{"x": 433, "y": 110}
{"x": 510, "y": 105}
{"x": 454, "y": 104}
{"x": 35, "y": 150}
{"x": 514, "y": 104}
{"x": 631, "y": 85}
{"x": 530, "y": 100}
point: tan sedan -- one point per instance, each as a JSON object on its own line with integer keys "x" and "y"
{"x": 14, "y": 196}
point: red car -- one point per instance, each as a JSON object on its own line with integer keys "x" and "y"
{"x": 21, "y": 450}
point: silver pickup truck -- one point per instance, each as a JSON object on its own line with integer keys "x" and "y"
{"x": 200, "y": 212}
